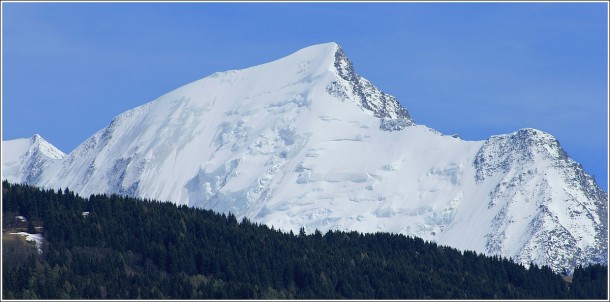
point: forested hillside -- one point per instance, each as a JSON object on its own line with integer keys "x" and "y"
{"x": 113, "y": 247}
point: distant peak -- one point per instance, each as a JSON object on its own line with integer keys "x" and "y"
{"x": 529, "y": 131}
{"x": 534, "y": 134}
{"x": 47, "y": 148}
{"x": 37, "y": 139}
{"x": 526, "y": 133}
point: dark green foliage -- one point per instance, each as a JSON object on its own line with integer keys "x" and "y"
{"x": 132, "y": 249}
{"x": 590, "y": 282}
{"x": 31, "y": 229}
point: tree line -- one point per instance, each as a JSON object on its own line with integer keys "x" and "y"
{"x": 127, "y": 248}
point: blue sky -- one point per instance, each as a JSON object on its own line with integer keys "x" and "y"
{"x": 473, "y": 69}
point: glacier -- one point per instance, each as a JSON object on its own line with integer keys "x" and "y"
{"x": 304, "y": 141}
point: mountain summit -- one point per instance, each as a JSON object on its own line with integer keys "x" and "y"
{"x": 24, "y": 160}
{"x": 304, "y": 141}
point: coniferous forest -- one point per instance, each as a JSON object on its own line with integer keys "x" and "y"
{"x": 126, "y": 248}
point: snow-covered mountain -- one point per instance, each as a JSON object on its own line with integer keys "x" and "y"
{"x": 304, "y": 141}
{"x": 24, "y": 159}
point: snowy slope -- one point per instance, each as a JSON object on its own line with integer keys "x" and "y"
{"x": 304, "y": 141}
{"x": 24, "y": 159}
{"x": 542, "y": 206}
